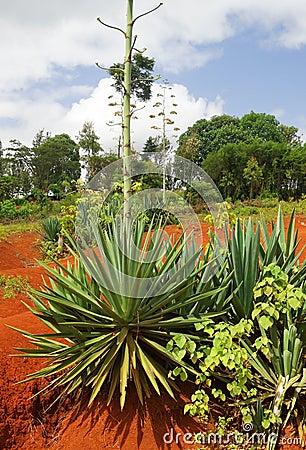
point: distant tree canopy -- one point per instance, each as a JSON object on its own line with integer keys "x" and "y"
{"x": 17, "y": 165}
{"x": 249, "y": 156}
{"x": 90, "y": 147}
{"x": 46, "y": 165}
{"x": 55, "y": 160}
{"x": 210, "y": 135}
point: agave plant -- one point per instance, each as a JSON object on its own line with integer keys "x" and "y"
{"x": 102, "y": 333}
{"x": 250, "y": 248}
{"x": 51, "y": 228}
{"x": 279, "y": 371}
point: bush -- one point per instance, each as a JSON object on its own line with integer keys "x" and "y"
{"x": 10, "y": 209}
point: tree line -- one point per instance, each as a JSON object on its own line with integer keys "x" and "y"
{"x": 248, "y": 157}
{"x": 50, "y": 164}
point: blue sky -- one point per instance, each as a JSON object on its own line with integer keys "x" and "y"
{"x": 226, "y": 56}
{"x": 248, "y": 76}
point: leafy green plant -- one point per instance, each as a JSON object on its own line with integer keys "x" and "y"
{"x": 10, "y": 210}
{"x": 224, "y": 217}
{"x": 218, "y": 355}
{"x": 51, "y": 250}
{"x": 103, "y": 335}
{"x": 67, "y": 219}
{"x": 51, "y": 244}
{"x": 278, "y": 354}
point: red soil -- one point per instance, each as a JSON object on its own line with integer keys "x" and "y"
{"x": 25, "y": 422}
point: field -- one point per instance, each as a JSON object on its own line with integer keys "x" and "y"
{"x": 27, "y": 424}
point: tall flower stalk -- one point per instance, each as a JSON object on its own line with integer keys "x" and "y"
{"x": 126, "y": 84}
{"x": 127, "y": 105}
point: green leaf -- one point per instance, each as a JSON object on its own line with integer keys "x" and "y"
{"x": 191, "y": 346}
{"x": 294, "y": 302}
{"x": 266, "y": 322}
{"x": 180, "y": 340}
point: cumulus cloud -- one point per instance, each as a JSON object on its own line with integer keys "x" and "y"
{"x": 36, "y": 36}
{"x": 278, "y": 113}
{"x": 40, "y": 113}
{"x": 22, "y": 116}
{"x": 42, "y": 41}
{"x": 95, "y": 108}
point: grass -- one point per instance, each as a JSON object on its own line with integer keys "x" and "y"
{"x": 17, "y": 227}
{"x": 269, "y": 208}
{"x": 257, "y": 207}
{"x": 13, "y": 285}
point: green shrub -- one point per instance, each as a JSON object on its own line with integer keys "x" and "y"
{"x": 8, "y": 209}
{"x": 15, "y": 209}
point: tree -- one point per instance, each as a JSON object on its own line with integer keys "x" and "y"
{"x": 225, "y": 167}
{"x": 191, "y": 148}
{"x": 295, "y": 171}
{"x": 88, "y": 141}
{"x": 40, "y": 137}
{"x": 99, "y": 162}
{"x": 57, "y": 159}
{"x": 142, "y": 76}
{"x": 212, "y": 135}
{"x": 252, "y": 173}
{"x": 262, "y": 127}
{"x": 233, "y": 164}
{"x": 152, "y": 145}
{"x": 19, "y": 164}
{"x": 9, "y": 187}
{"x": 290, "y": 135}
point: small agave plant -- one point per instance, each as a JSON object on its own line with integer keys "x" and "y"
{"x": 102, "y": 334}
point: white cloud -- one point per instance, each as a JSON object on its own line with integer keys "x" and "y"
{"x": 42, "y": 40}
{"x": 21, "y": 116}
{"x": 37, "y": 35}
{"x": 95, "y": 108}
{"x": 278, "y": 113}
{"x": 43, "y": 111}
